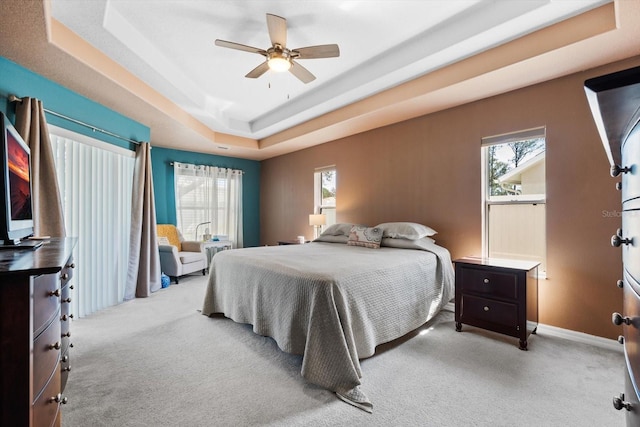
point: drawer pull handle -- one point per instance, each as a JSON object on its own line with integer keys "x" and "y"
{"x": 486, "y": 280}
{"x": 621, "y": 339}
{"x": 486, "y": 308}
{"x": 617, "y": 240}
{"x": 620, "y": 284}
{"x": 55, "y": 346}
{"x": 617, "y": 319}
{"x": 55, "y": 293}
{"x": 617, "y": 170}
{"x": 619, "y": 186}
{"x": 619, "y": 403}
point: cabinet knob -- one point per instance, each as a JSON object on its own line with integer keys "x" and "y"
{"x": 67, "y": 369}
{"x": 64, "y": 276}
{"x": 619, "y": 186}
{"x": 621, "y": 339}
{"x": 67, "y": 335}
{"x": 55, "y": 346}
{"x": 618, "y": 319}
{"x": 58, "y": 399}
{"x": 64, "y": 318}
{"x": 66, "y": 300}
{"x": 486, "y": 308}
{"x": 65, "y": 358}
{"x": 619, "y": 403}
{"x": 55, "y": 293}
{"x": 617, "y": 170}
{"x": 620, "y": 284}
{"x": 72, "y": 265}
{"x": 486, "y": 280}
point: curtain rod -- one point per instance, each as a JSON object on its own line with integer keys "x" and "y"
{"x": 171, "y": 164}
{"x": 13, "y": 98}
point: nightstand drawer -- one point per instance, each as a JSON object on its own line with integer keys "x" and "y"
{"x": 493, "y": 283}
{"x": 487, "y": 310}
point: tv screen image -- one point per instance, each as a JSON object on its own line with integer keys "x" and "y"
{"x": 19, "y": 179}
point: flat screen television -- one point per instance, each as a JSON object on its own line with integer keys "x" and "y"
{"x": 16, "y": 217}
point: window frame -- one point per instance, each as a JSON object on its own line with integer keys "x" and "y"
{"x": 319, "y": 207}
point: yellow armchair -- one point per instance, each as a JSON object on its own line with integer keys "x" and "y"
{"x": 178, "y": 256}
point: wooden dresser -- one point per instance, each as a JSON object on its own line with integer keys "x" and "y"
{"x": 615, "y": 102}
{"x": 35, "y": 332}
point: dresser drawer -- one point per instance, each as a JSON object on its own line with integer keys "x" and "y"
{"x": 489, "y": 282}
{"x": 631, "y": 159}
{"x": 489, "y": 311}
{"x": 631, "y": 310}
{"x": 631, "y": 252}
{"x": 45, "y": 408}
{"x": 46, "y": 353}
{"x": 46, "y": 300}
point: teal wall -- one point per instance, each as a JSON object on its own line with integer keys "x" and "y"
{"x": 19, "y": 81}
{"x": 161, "y": 159}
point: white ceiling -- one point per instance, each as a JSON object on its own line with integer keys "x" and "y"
{"x": 169, "y": 45}
{"x": 155, "y": 60}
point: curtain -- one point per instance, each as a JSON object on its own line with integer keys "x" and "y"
{"x": 209, "y": 194}
{"x": 47, "y": 207}
{"x": 95, "y": 186}
{"x": 143, "y": 276}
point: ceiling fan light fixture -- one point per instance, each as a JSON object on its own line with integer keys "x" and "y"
{"x": 278, "y": 63}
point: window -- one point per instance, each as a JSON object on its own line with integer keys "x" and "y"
{"x": 96, "y": 182}
{"x": 208, "y": 201}
{"x": 325, "y": 193}
{"x": 514, "y": 196}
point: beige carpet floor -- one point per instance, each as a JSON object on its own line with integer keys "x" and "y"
{"x": 159, "y": 362}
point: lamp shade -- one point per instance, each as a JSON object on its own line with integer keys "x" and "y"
{"x": 317, "y": 219}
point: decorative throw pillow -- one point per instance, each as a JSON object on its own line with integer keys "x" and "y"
{"x": 163, "y": 241}
{"x": 369, "y": 237}
{"x": 406, "y": 230}
{"x": 170, "y": 232}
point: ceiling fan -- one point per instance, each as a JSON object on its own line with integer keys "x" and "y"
{"x": 278, "y": 57}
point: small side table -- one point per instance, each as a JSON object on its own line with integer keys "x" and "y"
{"x": 498, "y": 295}
{"x": 213, "y": 248}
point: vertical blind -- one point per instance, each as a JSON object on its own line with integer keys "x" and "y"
{"x": 95, "y": 187}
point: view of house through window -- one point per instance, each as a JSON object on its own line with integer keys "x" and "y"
{"x": 325, "y": 194}
{"x": 514, "y": 194}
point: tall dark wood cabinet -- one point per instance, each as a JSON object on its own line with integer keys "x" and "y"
{"x": 615, "y": 102}
{"x": 35, "y": 332}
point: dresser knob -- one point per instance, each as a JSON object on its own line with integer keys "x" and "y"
{"x": 617, "y": 240}
{"x": 55, "y": 293}
{"x": 486, "y": 280}
{"x": 617, "y": 170}
{"x": 619, "y": 403}
{"x": 67, "y": 369}
{"x": 67, "y": 335}
{"x": 71, "y": 287}
{"x": 65, "y": 358}
{"x": 59, "y": 399}
{"x": 620, "y": 284}
{"x": 72, "y": 265}
{"x": 619, "y": 186}
{"x": 64, "y": 318}
{"x": 617, "y": 319}
{"x": 64, "y": 276}
{"x": 55, "y": 346}
{"x": 486, "y": 308}
{"x": 621, "y": 339}
{"x": 66, "y": 300}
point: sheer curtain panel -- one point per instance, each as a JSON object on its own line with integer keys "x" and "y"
{"x": 96, "y": 181}
{"x": 210, "y": 195}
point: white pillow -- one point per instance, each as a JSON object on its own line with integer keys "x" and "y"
{"x": 406, "y": 230}
{"x": 339, "y": 229}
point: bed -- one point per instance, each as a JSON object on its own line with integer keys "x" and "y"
{"x": 335, "y": 299}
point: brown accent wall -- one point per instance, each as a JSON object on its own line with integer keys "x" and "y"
{"x": 427, "y": 170}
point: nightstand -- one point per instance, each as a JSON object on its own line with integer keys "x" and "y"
{"x": 498, "y": 295}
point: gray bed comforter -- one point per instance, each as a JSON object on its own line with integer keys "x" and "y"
{"x": 330, "y": 302}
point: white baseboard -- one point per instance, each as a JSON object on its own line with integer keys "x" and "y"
{"x": 567, "y": 334}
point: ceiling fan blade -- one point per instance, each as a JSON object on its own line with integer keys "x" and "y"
{"x": 277, "y": 26}
{"x": 301, "y": 73}
{"x": 238, "y": 46}
{"x": 321, "y": 51}
{"x": 258, "y": 71}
